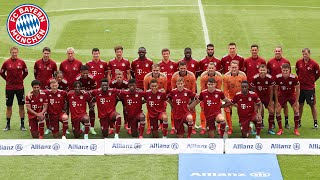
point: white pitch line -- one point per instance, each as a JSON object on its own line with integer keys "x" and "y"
{"x": 204, "y": 23}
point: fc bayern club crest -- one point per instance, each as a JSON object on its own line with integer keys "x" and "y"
{"x": 27, "y": 25}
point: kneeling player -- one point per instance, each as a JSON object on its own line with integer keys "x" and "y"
{"x": 36, "y": 105}
{"x": 132, "y": 99}
{"x": 179, "y": 98}
{"x": 77, "y": 101}
{"x": 211, "y": 99}
{"x": 106, "y": 99}
{"x": 156, "y": 105}
{"x": 249, "y": 109}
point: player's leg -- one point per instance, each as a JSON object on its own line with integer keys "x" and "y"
{"x": 20, "y": 98}
{"x": 54, "y": 124}
{"x": 194, "y": 119}
{"x": 76, "y": 128}
{"x": 286, "y": 116}
{"x": 142, "y": 120}
{"x": 173, "y": 130}
{"x": 154, "y": 126}
{"x": 311, "y": 100}
{"x": 92, "y": 116}
{"x": 258, "y": 124}
{"x": 48, "y": 124}
{"x": 179, "y": 126}
{"x": 9, "y": 102}
{"x": 220, "y": 120}
{"x": 116, "y": 119}
{"x": 190, "y": 121}
{"x": 148, "y": 123}
{"x": 282, "y": 102}
{"x": 211, "y": 126}
{"x": 164, "y": 118}
{"x": 245, "y": 126}
{"x": 64, "y": 118}
{"x": 271, "y": 111}
{"x": 41, "y": 127}
{"x": 227, "y": 112}
{"x": 202, "y": 119}
{"x": 104, "y": 126}
{"x": 295, "y": 108}
{"x": 34, "y": 130}
{"x": 262, "y": 118}
{"x": 86, "y": 121}
{"x": 133, "y": 123}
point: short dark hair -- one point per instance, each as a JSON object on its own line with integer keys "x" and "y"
{"x": 153, "y": 81}
{"x": 142, "y": 48}
{"x": 131, "y": 81}
{"x": 104, "y": 80}
{"x": 306, "y": 49}
{"x": 187, "y": 48}
{"x": 232, "y": 44}
{"x": 182, "y": 63}
{"x": 244, "y": 82}
{"x": 255, "y": 45}
{"x": 84, "y": 67}
{"x": 210, "y": 45}
{"x": 35, "y": 82}
{"x": 55, "y": 74}
{"x": 95, "y": 50}
{"x": 76, "y": 83}
{"x": 285, "y": 66}
{"x": 165, "y": 50}
{"x": 211, "y": 80}
{"x": 46, "y": 49}
{"x": 117, "y": 48}
{"x": 262, "y": 66}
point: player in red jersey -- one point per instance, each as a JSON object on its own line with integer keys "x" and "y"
{"x": 36, "y": 105}
{"x": 226, "y": 60}
{"x": 274, "y": 68}
{"x": 70, "y": 67}
{"x": 211, "y": 98}
{"x": 308, "y": 73}
{"x": 57, "y": 107}
{"x": 287, "y": 89}
{"x": 263, "y": 85}
{"x": 203, "y": 64}
{"x": 251, "y": 64}
{"x": 140, "y": 67}
{"x": 97, "y": 67}
{"x": 63, "y": 83}
{"x": 192, "y": 64}
{"x": 133, "y": 100}
{"x": 156, "y": 105}
{"x": 88, "y": 83}
{"x": 45, "y": 67}
{"x": 179, "y": 98}
{"x": 14, "y": 71}
{"x": 77, "y": 101}
{"x": 106, "y": 99}
{"x": 118, "y": 63}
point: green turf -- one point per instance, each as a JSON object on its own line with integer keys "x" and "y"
{"x": 292, "y": 24}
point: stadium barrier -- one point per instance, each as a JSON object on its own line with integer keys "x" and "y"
{"x": 159, "y": 146}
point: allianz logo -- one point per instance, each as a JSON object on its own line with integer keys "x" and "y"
{"x": 211, "y": 146}
{"x": 230, "y": 174}
{"x": 126, "y": 146}
{"x": 92, "y": 147}
{"x": 173, "y": 146}
{"x": 54, "y": 146}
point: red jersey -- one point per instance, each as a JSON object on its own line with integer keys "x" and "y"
{"x": 140, "y": 69}
{"x": 286, "y": 86}
{"x": 246, "y": 104}
{"x": 274, "y": 66}
{"x": 251, "y": 67}
{"x": 44, "y": 71}
{"x": 262, "y": 85}
{"x": 78, "y": 104}
{"x": 132, "y": 101}
{"x": 36, "y": 103}
{"x": 106, "y": 101}
{"x": 192, "y": 65}
{"x": 307, "y": 73}
{"x": 203, "y": 64}
{"x": 226, "y": 60}
{"x": 56, "y": 101}
{"x": 168, "y": 69}
{"x": 63, "y": 85}
{"x": 87, "y": 84}
{"x": 14, "y": 72}
{"x": 121, "y": 85}
{"x": 155, "y": 103}
{"x": 70, "y": 70}
{"x": 212, "y": 102}
{"x": 122, "y": 65}
{"x": 180, "y": 101}
{"x": 98, "y": 70}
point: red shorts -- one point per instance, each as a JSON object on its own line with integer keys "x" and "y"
{"x": 211, "y": 122}
{"x": 133, "y": 122}
{"x": 76, "y": 123}
{"x": 154, "y": 120}
{"x": 283, "y": 100}
{"x": 245, "y": 122}
{"x": 33, "y": 124}
{"x": 54, "y": 121}
{"x": 178, "y": 124}
{"x": 106, "y": 121}
{"x": 265, "y": 101}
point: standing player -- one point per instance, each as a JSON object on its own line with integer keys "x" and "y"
{"x": 308, "y": 73}
{"x": 192, "y": 64}
{"x": 156, "y": 105}
{"x": 13, "y": 71}
{"x": 58, "y": 76}
{"x": 118, "y": 63}
{"x": 44, "y": 68}
{"x": 140, "y": 67}
{"x": 274, "y": 68}
{"x": 263, "y": 85}
{"x": 106, "y": 99}
{"x": 70, "y": 67}
{"x": 179, "y": 98}
{"x": 249, "y": 109}
{"x": 211, "y": 99}
{"x": 132, "y": 99}
{"x": 36, "y": 105}
{"x": 287, "y": 89}
{"x": 232, "y": 85}
{"x": 97, "y": 67}
{"x": 77, "y": 101}
{"x": 203, "y": 64}
{"x": 251, "y": 64}
{"x": 226, "y": 60}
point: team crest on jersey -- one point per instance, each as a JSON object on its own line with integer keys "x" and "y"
{"x": 267, "y": 82}
{"x": 192, "y": 65}
{"x": 136, "y": 95}
{"x": 101, "y": 66}
{"x": 123, "y": 64}
{"x": 216, "y": 95}
{"x": 27, "y": 25}
{"x": 249, "y": 98}
{"x": 240, "y": 99}
{"x": 110, "y": 93}
{"x": 59, "y": 95}
{"x": 158, "y": 97}
{"x": 40, "y": 99}
{"x": 185, "y": 94}
{"x": 74, "y": 68}
{"x": 81, "y": 97}
{"x": 147, "y": 65}
{"x": 290, "y": 82}
{"x": 171, "y": 67}
{"x": 258, "y": 82}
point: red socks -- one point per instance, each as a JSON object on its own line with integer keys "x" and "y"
{"x": 165, "y": 128}
{"x": 118, "y": 124}
{"x": 279, "y": 122}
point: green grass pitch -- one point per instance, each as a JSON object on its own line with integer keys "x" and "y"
{"x": 157, "y": 24}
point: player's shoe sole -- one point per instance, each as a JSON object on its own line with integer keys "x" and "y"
{"x": 280, "y": 132}
{"x": 296, "y": 132}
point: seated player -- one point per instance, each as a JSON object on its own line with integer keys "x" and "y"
{"x": 106, "y": 99}
{"x": 211, "y": 99}
{"x": 77, "y": 101}
{"x": 133, "y": 100}
{"x": 156, "y": 105}
{"x": 287, "y": 89}
{"x": 36, "y": 105}
{"x": 179, "y": 98}
{"x": 249, "y": 109}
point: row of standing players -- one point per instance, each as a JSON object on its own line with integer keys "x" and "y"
{"x": 142, "y": 69}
